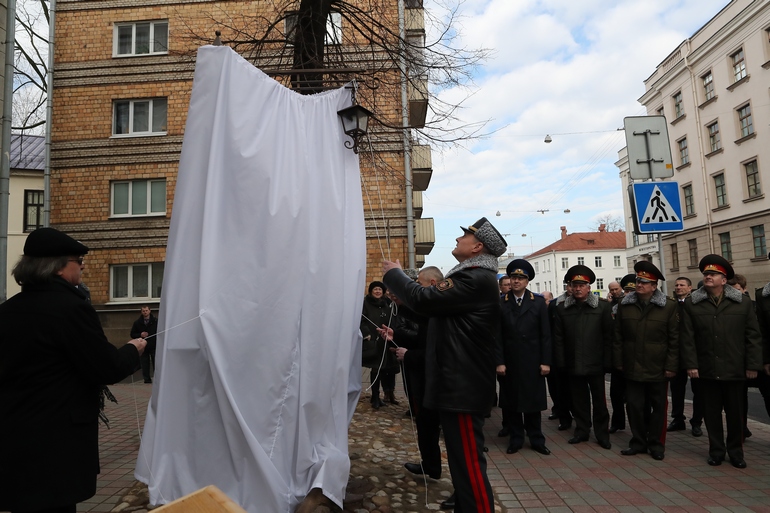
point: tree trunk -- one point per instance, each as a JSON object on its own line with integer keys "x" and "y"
{"x": 309, "y": 43}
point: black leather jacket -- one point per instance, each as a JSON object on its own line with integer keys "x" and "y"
{"x": 464, "y": 312}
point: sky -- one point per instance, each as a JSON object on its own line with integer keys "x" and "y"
{"x": 570, "y": 69}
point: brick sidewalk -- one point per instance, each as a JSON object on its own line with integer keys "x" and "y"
{"x": 582, "y": 477}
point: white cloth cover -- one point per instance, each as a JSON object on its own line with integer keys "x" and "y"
{"x": 260, "y": 369}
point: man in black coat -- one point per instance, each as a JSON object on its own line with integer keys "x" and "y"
{"x": 146, "y": 327}
{"x": 524, "y": 358}
{"x": 464, "y": 312}
{"x": 582, "y": 334}
{"x": 55, "y": 361}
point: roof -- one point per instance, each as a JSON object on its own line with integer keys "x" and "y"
{"x": 27, "y": 152}
{"x": 585, "y": 241}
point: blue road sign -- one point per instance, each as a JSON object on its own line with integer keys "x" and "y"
{"x": 657, "y": 206}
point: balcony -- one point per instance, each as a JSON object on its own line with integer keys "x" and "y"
{"x": 419, "y": 261}
{"x": 417, "y": 204}
{"x": 417, "y": 90}
{"x": 424, "y": 236}
{"x": 414, "y": 20}
{"x": 422, "y": 167}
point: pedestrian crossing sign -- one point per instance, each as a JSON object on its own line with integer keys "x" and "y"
{"x": 657, "y": 207}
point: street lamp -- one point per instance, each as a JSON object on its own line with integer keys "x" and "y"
{"x": 355, "y": 120}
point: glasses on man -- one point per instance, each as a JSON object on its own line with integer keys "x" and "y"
{"x": 79, "y": 260}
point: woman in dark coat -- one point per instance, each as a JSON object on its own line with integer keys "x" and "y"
{"x": 55, "y": 360}
{"x": 383, "y": 364}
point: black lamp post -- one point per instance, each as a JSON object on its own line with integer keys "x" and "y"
{"x": 354, "y": 123}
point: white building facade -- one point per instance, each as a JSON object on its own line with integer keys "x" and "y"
{"x": 713, "y": 91}
{"x": 604, "y": 252}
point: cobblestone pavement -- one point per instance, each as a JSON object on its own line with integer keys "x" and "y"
{"x": 579, "y": 478}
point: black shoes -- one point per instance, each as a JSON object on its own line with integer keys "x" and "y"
{"x": 148, "y": 381}
{"x": 632, "y": 452}
{"x": 715, "y": 462}
{"x": 449, "y": 503}
{"x": 697, "y": 431}
{"x": 416, "y": 468}
{"x": 504, "y": 432}
{"x": 377, "y": 402}
{"x": 746, "y": 432}
{"x": 676, "y": 425}
{"x": 577, "y": 439}
{"x": 565, "y": 426}
{"x": 605, "y": 444}
{"x": 615, "y": 429}
{"x": 738, "y": 462}
{"x": 553, "y": 416}
{"x": 512, "y": 449}
{"x": 542, "y": 449}
{"x": 656, "y": 455}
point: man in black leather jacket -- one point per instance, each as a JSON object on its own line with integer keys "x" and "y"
{"x": 464, "y": 312}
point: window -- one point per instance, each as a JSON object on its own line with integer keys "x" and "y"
{"x": 145, "y": 38}
{"x": 635, "y": 237}
{"x": 537, "y": 287}
{"x": 689, "y": 202}
{"x": 674, "y": 256}
{"x": 720, "y": 189}
{"x": 651, "y": 237}
{"x": 739, "y": 65}
{"x": 138, "y": 198}
{"x": 598, "y": 261}
{"x": 333, "y": 28}
{"x": 600, "y": 283}
{"x": 581, "y": 261}
{"x": 684, "y": 153}
{"x": 33, "y": 210}
{"x": 726, "y": 246}
{"x": 137, "y": 281}
{"x": 752, "y": 179}
{"x": 678, "y": 105}
{"x": 708, "y": 86}
{"x": 758, "y": 234}
{"x": 715, "y": 142}
{"x": 565, "y": 263}
{"x": 660, "y": 111}
{"x": 537, "y": 267}
{"x": 139, "y": 117}
{"x": 744, "y": 117}
{"x": 617, "y": 260}
{"x": 692, "y": 245}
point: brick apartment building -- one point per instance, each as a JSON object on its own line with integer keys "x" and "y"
{"x": 122, "y": 80}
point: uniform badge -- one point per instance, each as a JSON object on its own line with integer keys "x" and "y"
{"x": 445, "y": 285}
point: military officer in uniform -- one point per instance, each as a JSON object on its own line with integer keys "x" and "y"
{"x": 582, "y": 334}
{"x": 721, "y": 345}
{"x": 524, "y": 358}
{"x": 646, "y": 350}
{"x": 464, "y": 322}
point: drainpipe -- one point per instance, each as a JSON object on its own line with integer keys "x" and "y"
{"x": 701, "y": 153}
{"x": 5, "y": 165}
{"x": 407, "y": 145}
{"x": 49, "y": 118}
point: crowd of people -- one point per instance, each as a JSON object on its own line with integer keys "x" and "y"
{"x": 453, "y": 335}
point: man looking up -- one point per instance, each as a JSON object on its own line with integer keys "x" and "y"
{"x": 464, "y": 312}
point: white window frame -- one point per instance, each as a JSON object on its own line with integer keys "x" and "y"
{"x": 616, "y": 261}
{"x": 708, "y": 85}
{"x": 130, "y": 297}
{"x": 565, "y": 262}
{"x": 132, "y": 104}
{"x": 116, "y": 39}
{"x": 738, "y": 60}
{"x": 715, "y": 139}
{"x": 678, "y": 105}
{"x": 684, "y": 152}
{"x": 598, "y": 262}
{"x": 149, "y": 212}
{"x": 745, "y": 121}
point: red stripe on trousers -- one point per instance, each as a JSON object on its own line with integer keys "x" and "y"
{"x": 472, "y": 463}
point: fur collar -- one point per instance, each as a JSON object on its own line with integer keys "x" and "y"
{"x": 658, "y": 299}
{"x": 561, "y": 299}
{"x": 766, "y": 290}
{"x": 730, "y": 293}
{"x": 591, "y": 300}
{"x": 485, "y": 261}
